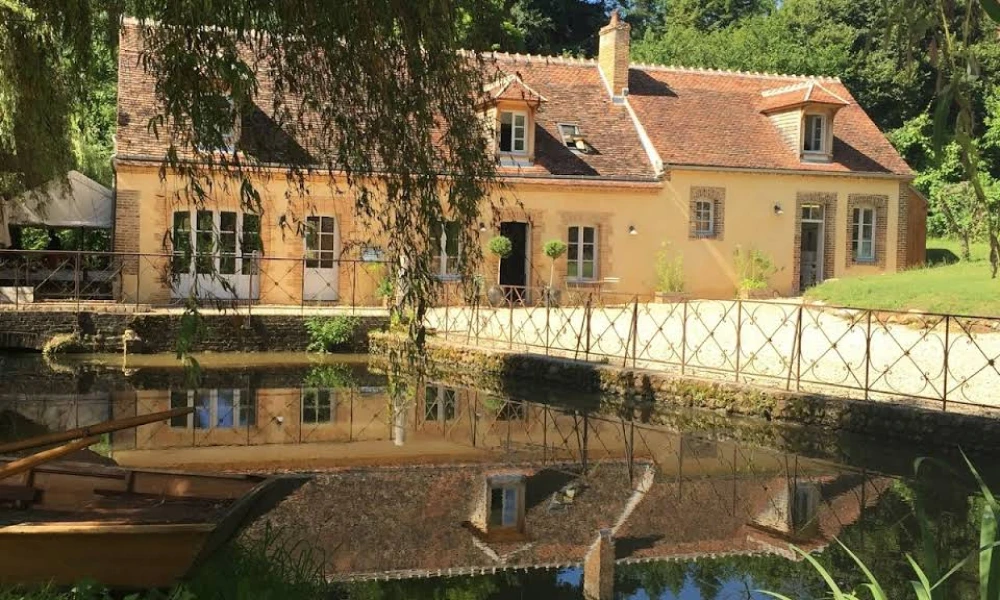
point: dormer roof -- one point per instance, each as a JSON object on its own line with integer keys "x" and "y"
{"x": 512, "y": 87}
{"x": 800, "y": 94}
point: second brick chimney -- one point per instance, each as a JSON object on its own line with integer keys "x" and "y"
{"x": 613, "y": 55}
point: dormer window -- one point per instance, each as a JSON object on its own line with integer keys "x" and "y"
{"x": 570, "y": 132}
{"x": 815, "y": 134}
{"x": 513, "y": 132}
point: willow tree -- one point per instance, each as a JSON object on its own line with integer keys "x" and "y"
{"x": 957, "y": 36}
{"x": 388, "y": 104}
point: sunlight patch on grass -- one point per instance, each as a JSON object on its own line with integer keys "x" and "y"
{"x": 958, "y": 288}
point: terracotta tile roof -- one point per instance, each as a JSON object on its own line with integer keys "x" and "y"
{"x": 704, "y": 118}
{"x": 714, "y": 119}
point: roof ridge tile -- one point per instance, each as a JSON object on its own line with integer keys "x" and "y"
{"x": 733, "y": 72}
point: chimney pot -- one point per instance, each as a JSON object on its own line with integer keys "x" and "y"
{"x": 613, "y": 54}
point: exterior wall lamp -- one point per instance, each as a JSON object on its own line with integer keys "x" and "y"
{"x": 482, "y": 226}
{"x": 632, "y": 230}
{"x": 778, "y": 210}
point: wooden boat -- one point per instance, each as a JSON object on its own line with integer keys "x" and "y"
{"x": 63, "y": 522}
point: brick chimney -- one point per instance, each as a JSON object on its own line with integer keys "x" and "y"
{"x": 613, "y": 55}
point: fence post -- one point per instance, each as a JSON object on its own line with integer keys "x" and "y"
{"x": 796, "y": 348}
{"x": 947, "y": 346}
{"x": 739, "y": 334}
{"x": 684, "y": 331}
{"x": 302, "y": 286}
{"x": 510, "y": 321}
{"x": 798, "y": 357}
{"x": 253, "y": 267}
{"x": 547, "y": 342}
{"x": 354, "y": 287}
{"x": 633, "y": 334}
{"x": 868, "y": 357}
{"x": 138, "y": 278}
{"x": 76, "y": 279}
{"x": 447, "y": 323}
{"x": 586, "y": 318}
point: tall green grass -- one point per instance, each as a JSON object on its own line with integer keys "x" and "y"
{"x": 928, "y": 583}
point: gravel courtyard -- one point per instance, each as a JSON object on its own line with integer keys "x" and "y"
{"x": 897, "y": 356}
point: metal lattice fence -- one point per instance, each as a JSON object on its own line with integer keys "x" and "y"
{"x": 945, "y": 361}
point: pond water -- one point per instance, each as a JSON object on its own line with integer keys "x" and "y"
{"x": 459, "y": 492}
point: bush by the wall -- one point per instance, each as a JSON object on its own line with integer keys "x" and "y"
{"x": 329, "y": 334}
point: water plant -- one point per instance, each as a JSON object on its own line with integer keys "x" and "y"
{"x": 928, "y": 584}
{"x": 327, "y": 334}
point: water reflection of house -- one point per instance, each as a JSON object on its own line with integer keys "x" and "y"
{"x": 424, "y": 521}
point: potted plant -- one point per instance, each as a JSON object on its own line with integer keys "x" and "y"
{"x": 754, "y": 268}
{"x": 669, "y": 276}
{"x": 501, "y": 247}
{"x": 553, "y": 249}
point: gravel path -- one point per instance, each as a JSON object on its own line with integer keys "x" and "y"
{"x": 755, "y": 342}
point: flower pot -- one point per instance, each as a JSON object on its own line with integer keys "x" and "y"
{"x": 755, "y": 294}
{"x": 496, "y": 296}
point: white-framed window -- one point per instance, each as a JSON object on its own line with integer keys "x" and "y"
{"x": 513, "y": 132}
{"x": 704, "y": 218}
{"x": 318, "y": 405}
{"x": 863, "y": 234}
{"x": 439, "y": 403}
{"x": 581, "y": 261}
{"x": 321, "y": 242}
{"x": 815, "y": 135}
{"x": 446, "y": 247}
{"x": 812, "y": 213}
{"x": 569, "y": 132}
{"x": 220, "y": 242}
{"x": 222, "y": 408}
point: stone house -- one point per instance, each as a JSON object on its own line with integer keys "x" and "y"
{"x": 618, "y": 160}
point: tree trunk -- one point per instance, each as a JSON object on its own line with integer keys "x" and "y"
{"x": 994, "y": 252}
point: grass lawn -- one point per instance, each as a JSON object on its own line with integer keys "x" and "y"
{"x": 946, "y": 285}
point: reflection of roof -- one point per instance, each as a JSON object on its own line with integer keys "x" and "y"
{"x": 413, "y": 521}
{"x": 391, "y": 520}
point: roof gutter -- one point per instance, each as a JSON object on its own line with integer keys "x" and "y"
{"x": 759, "y": 171}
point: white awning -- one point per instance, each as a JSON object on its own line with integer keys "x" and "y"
{"x": 78, "y": 202}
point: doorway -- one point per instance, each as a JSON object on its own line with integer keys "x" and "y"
{"x": 320, "y": 278}
{"x": 514, "y": 268}
{"x": 811, "y": 248}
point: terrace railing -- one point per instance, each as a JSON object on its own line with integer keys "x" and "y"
{"x": 140, "y": 281}
{"x": 951, "y": 362}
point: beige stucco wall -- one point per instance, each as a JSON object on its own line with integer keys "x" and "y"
{"x": 658, "y": 212}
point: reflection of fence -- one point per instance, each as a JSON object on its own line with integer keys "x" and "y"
{"x": 27, "y": 277}
{"x": 948, "y": 360}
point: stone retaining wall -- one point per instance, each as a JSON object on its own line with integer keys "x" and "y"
{"x": 499, "y": 369}
{"x": 103, "y": 332}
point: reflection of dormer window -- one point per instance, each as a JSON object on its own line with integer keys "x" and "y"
{"x": 513, "y": 132}
{"x": 815, "y": 134}
{"x": 503, "y": 507}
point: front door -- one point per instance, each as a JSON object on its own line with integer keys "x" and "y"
{"x": 811, "y": 247}
{"x": 319, "y": 280}
{"x": 514, "y": 268}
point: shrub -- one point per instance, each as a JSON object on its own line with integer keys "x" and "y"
{"x": 554, "y": 249}
{"x": 500, "y": 246}
{"x": 754, "y": 268}
{"x": 326, "y": 334}
{"x": 669, "y": 271}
